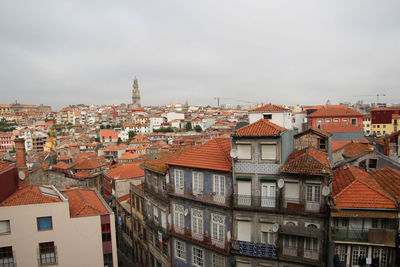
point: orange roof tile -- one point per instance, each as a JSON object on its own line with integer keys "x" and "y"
{"x": 4, "y": 166}
{"x": 309, "y": 161}
{"x": 88, "y": 164}
{"x": 213, "y": 155}
{"x": 160, "y": 164}
{"x": 84, "y": 202}
{"x": 28, "y": 195}
{"x": 125, "y": 171}
{"x": 262, "y": 127}
{"x": 62, "y": 165}
{"x": 316, "y": 131}
{"x": 335, "y": 112}
{"x": 354, "y": 149}
{"x": 124, "y": 198}
{"x": 336, "y": 145}
{"x": 355, "y": 188}
{"x": 389, "y": 179}
{"x": 129, "y": 155}
{"x": 269, "y": 107}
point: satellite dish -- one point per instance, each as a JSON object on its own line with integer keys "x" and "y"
{"x": 21, "y": 175}
{"x": 275, "y": 227}
{"x": 325, "y": 191}
{"x": 281, "y": 183}
{"x": 234, "y": 153}
{"x": 186, "y": 212}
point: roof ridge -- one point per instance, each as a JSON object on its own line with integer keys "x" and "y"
{"x": 223, "y": 151}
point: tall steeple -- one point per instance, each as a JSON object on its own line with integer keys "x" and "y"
{"x": 135, "y": 94}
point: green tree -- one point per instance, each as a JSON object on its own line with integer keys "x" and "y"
{"x": 119, "y": 141}
{"x": 189, "y": 126}
{"x": 198, "y": 128}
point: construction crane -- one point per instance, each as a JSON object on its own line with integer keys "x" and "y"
{"x": 377, "y": 97}
{"x": 238, "y": 100}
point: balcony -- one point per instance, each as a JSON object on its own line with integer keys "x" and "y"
{"x": 248, "y": 201}
{"x": 201, "y": 197}
{"x": 303, "y": 205}
{"x": 386, "y": 237}
{"x": 289, "y": 251}
{"x": 311, "y": 254}
{"x": 155, "y": 226}
{"x": 253, "y": 249}
{"x": 200, "y": 239}
{"x": 156, "y": 192}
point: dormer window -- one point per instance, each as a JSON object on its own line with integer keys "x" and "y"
{"x": 322, "y": 144}
{"x": 267, "y": 116}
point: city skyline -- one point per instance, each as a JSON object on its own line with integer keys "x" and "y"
{"x": 288, "y": 53}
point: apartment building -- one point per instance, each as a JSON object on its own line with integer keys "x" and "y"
{"x": 200, "y": 189}
{"x": 42, "y": 226}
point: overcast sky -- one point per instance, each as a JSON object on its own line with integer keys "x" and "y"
{"x": 284, "y": 52}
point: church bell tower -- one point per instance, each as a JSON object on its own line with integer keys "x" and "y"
{"x": 135, "y": 94}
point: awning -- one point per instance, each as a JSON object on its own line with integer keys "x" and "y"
{"x": 365, "y": 214}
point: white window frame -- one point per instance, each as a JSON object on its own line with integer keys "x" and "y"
{"x": 179, "y": 180}
{"x": 218, "y": 260}
{"x": 197, "y": 221}
{"x": 179, "y": 215}
{"x": 313, "y": 193}
{"x": 244, "y": 156}
{"x": 5, "y": 227}
{"x": 197, "y": 182}
{"x": 218, "y": 227}
{"x": 180, "y": 249}
{"x": 197, "y": 257}
{"x": 269, "y": 156}
{"x": 219, "y": 185}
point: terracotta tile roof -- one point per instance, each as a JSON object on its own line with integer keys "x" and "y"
{"x": 107, "y": 133}
{"x": 336, "y": 145}
{"x": 129, "y": 155}
{"x": 355, "y": 149}
{"x": 337, "y": 127}
{"x": 4, "y": 165}
{"x": 316, "y": 131}
{"x": 114, "y": 148}
{"x": 83, "y": 174}
{"x": 124, "y": 198}
{"x": 125, "y": 171}
{"x": 309, "y": 161}
{"x": 85, "y": 155}
{"x": 213, "y": 155}
{"x": 389, "y": 179}
{"x": 84, "y": 202}
{"x": 64, "y": 158}
{"x": 385, "y": 108}
{"x": 160, "y": 164}
{"x": 335, "y": 112}
{"x": 262, "y": 127}
{"x": 355, "y": 188}
{"x": 28, "y": 195}
{"x": 62, "y": 165}
{"x": 269, "y": 107}
{"x": 88, "y": 164}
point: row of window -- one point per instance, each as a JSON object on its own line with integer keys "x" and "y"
{"x": 197, "y": 222}
{"x": 353, "y": 121}
{"x": 47, "y": 255}
{"x": 268, "y": 152}
{"x": 218, "y": 182}
{"x": 43, "y": 223}
{"x": 197, "y": 255}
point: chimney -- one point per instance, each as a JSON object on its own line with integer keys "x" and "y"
{"x": 23, "y": 175}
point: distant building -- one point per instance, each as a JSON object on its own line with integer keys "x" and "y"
{"x": 135, "y": 94}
